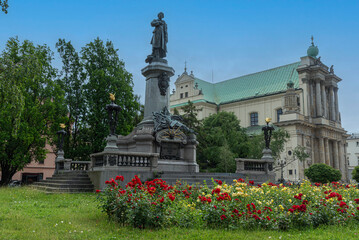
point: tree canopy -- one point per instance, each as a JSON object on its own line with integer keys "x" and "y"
{"x": 88, "y": 78}
{"x": 4, "y": 5}
{"x": 32, "y": 105}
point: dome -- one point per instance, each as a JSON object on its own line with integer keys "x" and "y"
{"x": 312, "y": 50}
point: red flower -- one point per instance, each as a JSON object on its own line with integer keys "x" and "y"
{"x": 357, "y": 200}
{"x": 215, "y": 206}
{"x": 291, "y": 210}
{"x": 209, "y": 200}
{"x": 107, "y": 182}
{"x": 268, "y": 218}
{"x": 171, "y": 197}
{"x": 251, "y": 182}
{"x": 223, "y": 217}
{"x": 218, "y": 181}
{"x": 120, "y": 178}
{"x": 98, "y": 191}
{"x": 216, "y": 190}
{"x": 224, "y": 210}
{"x": 161, "y": 200}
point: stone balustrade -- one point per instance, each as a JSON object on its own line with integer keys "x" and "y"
{"x": 115, "y": 159}
{"x": 254, "y": 166}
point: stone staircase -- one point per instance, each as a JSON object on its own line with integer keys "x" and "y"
{"x": 198, "y": 178}
{"x": 66, "y": 182}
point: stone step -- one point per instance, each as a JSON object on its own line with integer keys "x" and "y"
{"x": 69, "y": 177}
{"x": 61, "y": 185}
{"x": 67, "y": 181}
{"x": 63, "y": 190}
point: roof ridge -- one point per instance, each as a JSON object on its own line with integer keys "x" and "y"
{"x": 257, "y": 72}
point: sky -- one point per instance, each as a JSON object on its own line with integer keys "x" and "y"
{"x": 219, "y": 40}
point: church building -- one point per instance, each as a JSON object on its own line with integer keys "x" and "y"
{"x": 300, "y": 97}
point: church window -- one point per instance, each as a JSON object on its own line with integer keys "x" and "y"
{"x": 357, "y": 144}
{"x": 254, "y": 119}
{"x": 181, "y": 87}
{"x": 186, "y": 85}
{"x": 186, "y": 94}
{"x": 279, "y": 112}
{"x": 290, "y": 172}
{"x": 298, "y": 101}
{"x": 181, "y": 95}
{"x": 358, "y": 160}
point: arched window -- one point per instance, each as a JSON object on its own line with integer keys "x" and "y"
{"x": 254, "y": 119}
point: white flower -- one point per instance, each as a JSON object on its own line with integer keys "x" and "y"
{"x": 62, "y": 221}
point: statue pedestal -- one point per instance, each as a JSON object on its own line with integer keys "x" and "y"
{"x": 111, "y": 143}
{"x": 154, "y": 101}
{"x": 268, "y": 159}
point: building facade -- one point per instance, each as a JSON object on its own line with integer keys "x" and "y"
{"x": 352, "y": 152}
{"x": 300, "y": 97}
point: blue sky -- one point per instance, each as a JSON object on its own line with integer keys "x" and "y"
{"x": 228, "y": 38}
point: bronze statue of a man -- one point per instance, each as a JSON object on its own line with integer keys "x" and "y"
{"x": 159, "y": 39}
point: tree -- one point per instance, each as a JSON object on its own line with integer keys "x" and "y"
{"x": 31, "y": 106}
{"x": 355, "y": 174}
{"x": 4, "y": 5}
{"x": 190, "y": 113}
{"x": 322, "y": 173}
{"x": 72, "y": 80}
{"x": 88, "y": 78}
{"x": 106, "y": 73}
{"x": 221, "y": 140}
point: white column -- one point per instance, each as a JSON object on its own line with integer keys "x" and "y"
{"x": 312, "y": 107}
{"x": 326, "y": 150}
{"x": 335, "y": 155}
{"x": 321, "y": 151}
{"x": 342, "y": 161}
{"x": 318, "y": 99}
{"x": 336, "y": 104}
{"x": 332, "y": 104}
{"x": 324, "y": 101}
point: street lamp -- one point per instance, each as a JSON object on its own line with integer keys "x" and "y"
{"x": 61, "y": 135}
{"x": 267, "y": 132}
{"x": 112, "y": 110}
{"x": 282, "y": 164}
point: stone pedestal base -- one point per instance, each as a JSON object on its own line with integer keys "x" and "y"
{"x": 62, "y": 164}
{"x": 111, "y": 143}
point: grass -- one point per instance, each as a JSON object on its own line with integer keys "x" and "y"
{"x": 28, "y": 214}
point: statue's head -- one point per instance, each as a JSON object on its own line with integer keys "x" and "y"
{"x": 161, "y": 15}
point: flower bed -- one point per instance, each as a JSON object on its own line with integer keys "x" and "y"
{"x": 156, "y": 204}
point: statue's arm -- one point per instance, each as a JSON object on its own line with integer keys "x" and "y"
{"x": 155, "y": 23}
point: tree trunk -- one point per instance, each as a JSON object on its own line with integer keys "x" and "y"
{"x": 6, "y": 175}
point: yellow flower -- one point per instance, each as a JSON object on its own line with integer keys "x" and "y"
{"x": 281, "y": 207}
{"x": 290, "y": 200}
{"x": 62, "y": 125}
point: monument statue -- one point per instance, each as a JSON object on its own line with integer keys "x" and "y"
{"x": 159, "y": 40}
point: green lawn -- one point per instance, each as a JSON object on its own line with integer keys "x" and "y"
{"x": 28, "y": 214}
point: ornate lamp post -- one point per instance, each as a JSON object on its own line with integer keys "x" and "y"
{"x": 267, "y": 153}
{"x": 267, "y": 132}
{"x": 282, "y": 164}
{"x": 59, "y": 161}
{"x": 61, "y": 134}
{"x": 112, "y": 110}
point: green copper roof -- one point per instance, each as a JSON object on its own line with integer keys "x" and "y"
{"x": 249, "y": 86}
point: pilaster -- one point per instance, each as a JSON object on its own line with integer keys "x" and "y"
{"x": 326, "y": 149}
{"x": 336, "y": 155}
{"x": 321, "y": 150}
{"x": 318, "y": 98}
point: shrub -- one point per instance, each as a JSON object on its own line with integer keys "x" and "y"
{"x": 322, "y": 173}
{"x": 355, "y": 174}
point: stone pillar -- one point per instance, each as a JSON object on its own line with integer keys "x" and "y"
{"x": 342, "y": 161}
{"x": 318, "y": 99}
{"x": 324, "y": 101}
{"x": 154, "y": 100}
{"x": 336, "y": 104}
{"x": 321, "y": 150}
{"x": 332, "y": 104}
{"x": 312, "y": 107}
{"x": 335, "y": 155}
{"x": 313, "y": 152}
{"x": 326, "y": 149}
